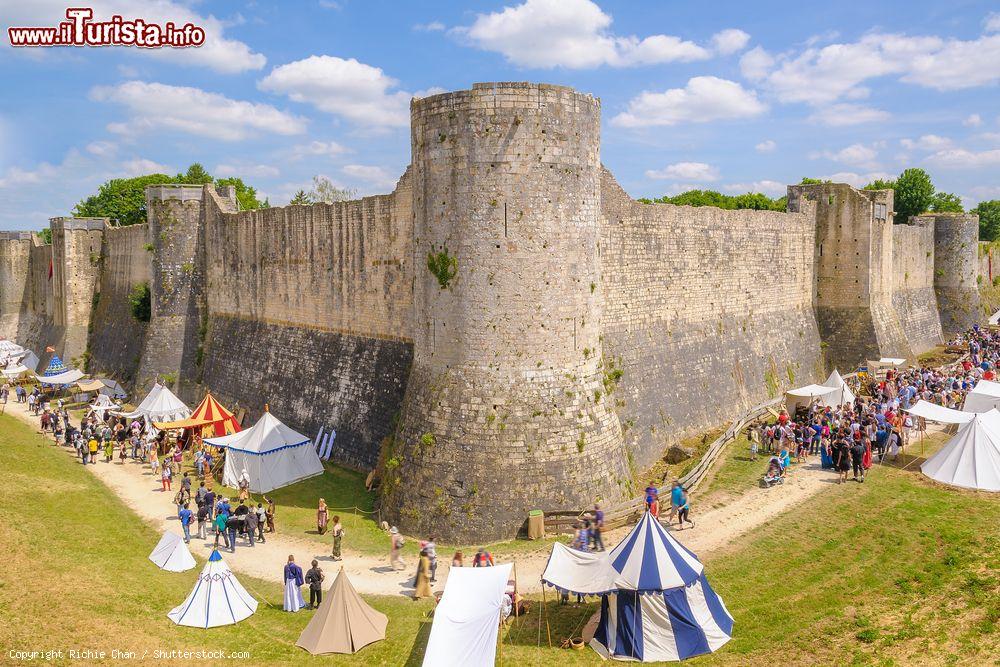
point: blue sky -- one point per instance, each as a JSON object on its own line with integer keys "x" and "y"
{"x": 723, "y": 95}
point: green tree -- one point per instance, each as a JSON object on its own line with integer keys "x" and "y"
{"x": 195, "y": 175}
{"x": 46, "y": 235}
{"x": 914, "y": 194}
{"x": 121, "y": 199}
{"x": 880, "y": 184}
{"x": 989, "y": 219}
{"x": 812, "y": 181}
{"x": 324, "y": 191}
{"x": 945, "y": 202}
{"x": 750, "y": 200}
{"x": 245, "y": 194}
{"x": 301, "y": 199}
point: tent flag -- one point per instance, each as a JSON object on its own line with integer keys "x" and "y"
{"x": 318, "y": 442}
{"x": 344, "y": 622}
{"x": 971, "y": 459}
{"x": 273, "y": 455}
{"x": 171, "y": 554}
{"x": 467, "y": 620}
{"x": 216, "y": 599}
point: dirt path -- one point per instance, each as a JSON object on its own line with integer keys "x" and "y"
{"x": 135, "y": 484}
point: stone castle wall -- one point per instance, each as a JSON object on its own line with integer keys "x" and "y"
{"x": 707, "y": 311}
{"x": 309, "y": 308}
{"x": 581, "y": 334}
{"x": 117, "y": 338}
{"x": 913, "y": 294}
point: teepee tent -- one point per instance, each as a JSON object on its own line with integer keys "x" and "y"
{"x": 843, "y": 397}
{"x": 217, "y": 599}
{"x": 467, "y": 620}
{"x": 971, "y": 459}
{"x": 210, "y": 418}
{"x": 171, "y": 554}
{"x": 55, "y": 367}
{"x": 656, "y": 602}
{"x": 160, "y": 405}
{"x": 344, "y": 622}
{"x": 273, "y": 455}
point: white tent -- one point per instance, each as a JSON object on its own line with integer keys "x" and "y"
{"x": 939, "y": 413}
{"x": 995, "y": 318}
{"x": 160, "y": 405}
{"x": 15, "y": 370}
{"x": 30, "y": 361}
{"x": 846, "y": 396}
{"x": 656, "y": 601}
{"x": 984, "y": 397}
{"x": 273, "y": 455}
{"x": 10, "y": 351}
{"x": 171, "y": 554}
{"x": 217, "y": 598}
{"x": 101, "y": 405}
{"x": 891, "y": 361}
{"x": 467, "y": 620}
{"x": 68, "y": 377}
{"x": 971, "y": 459}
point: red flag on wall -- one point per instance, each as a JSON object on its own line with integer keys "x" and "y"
{"x": 50, "y": 269}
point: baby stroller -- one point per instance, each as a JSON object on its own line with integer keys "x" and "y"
{"x": 775, "y": 473}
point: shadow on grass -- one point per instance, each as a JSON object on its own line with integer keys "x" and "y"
{"x": 416, "y": 657}
{"x": 558, "y": 620}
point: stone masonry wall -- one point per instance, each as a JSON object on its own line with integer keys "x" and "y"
{"x": 707, "y": 311}
{"x": 76, "y": 256}
{"x": 15, "y": 258}
{"x": 506, "y": 409}
{"x": 310, "y": 309}
{"x": 853, "y": 260}
{"x": 913, "y": 294}
{"x": 117, "y": 338}
{"x": 956, "y": 243}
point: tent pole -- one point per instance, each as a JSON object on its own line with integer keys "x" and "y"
{"x": 545, "y": 612}
{"x": 514, "y": 599}
{"x": 500, "y": 630}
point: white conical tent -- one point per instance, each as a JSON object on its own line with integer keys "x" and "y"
{"x": 217, "y": 598}
{"x": 845, "y": 395}
{"x": 971, "y": 459}
{"x": 171, "y": 554}
{"x": 273, "y": 455}
{"x": 160, "y": 405}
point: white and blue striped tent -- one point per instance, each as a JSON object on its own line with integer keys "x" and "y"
{"x": 656, "y": 603}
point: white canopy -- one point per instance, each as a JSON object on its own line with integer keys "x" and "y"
{"x": 939, "y": 413}
{"x": 823, "y": 394}
{"x": 160, "y": 405}
{"x": 467, "y": 619}
{"x": 102, "y": 404}
{"x": 68, "y": 377}
{"x": 273, "y": 455}
{"x": 971, "y": 459}
{"x": 984, "y": 397}
{"x": 9, "y": 350}
{"x": 30, "y": 361}
{"x": 171, "y": 554}
{"x": 995, "y": 318}
{"x": 217, "y": 598}
{"x": 14, "y": 370}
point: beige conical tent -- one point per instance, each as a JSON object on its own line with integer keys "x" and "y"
{"x": 344, "y": 623}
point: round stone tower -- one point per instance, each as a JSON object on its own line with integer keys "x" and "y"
{"x": 507, "y": 408}
{"x": 956, "y": 256}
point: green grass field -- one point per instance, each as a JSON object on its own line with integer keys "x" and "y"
{"x": 895, "y": 571}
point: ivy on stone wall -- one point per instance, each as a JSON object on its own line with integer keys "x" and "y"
{"x": 139, "y": 302}
{"x": 443, "y": 266}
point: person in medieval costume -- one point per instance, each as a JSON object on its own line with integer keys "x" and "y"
{"x": 244, "y": 485}
{"x": 322, "y": 515}
{"x": 293, "y": 582}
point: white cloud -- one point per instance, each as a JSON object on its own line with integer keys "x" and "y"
{"x": 855, "y": 154}
{"x": 689, "y": 171}
{"x": 729, "y": 41}
{"x": 769, "y": 188}
{"x": 960, "y": 158}
{"x": 433, "y": 26}
{"x": 928, "y": 142}
{"x": 102, "y": 148}
{"x": 766, "y": 146}
{"x": 824, "y": 75}
{"x": 246, "y": 170}
{"x": 840, "y": 115}
{"x": 576, "y": 34}
{"x": 374, "y": 176}
{"x": 973, "y": 120}
{"x": 141, "y": 167}
{"x": 360, "y": 93}
{"x": 317, "y": 148}
{"x": 154, "y": 106}
{"x": 992, "y": 23}
{"x": 704, "y": 99}
{"x": 330, "y": 4}
{"x": 219, "y": 53}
